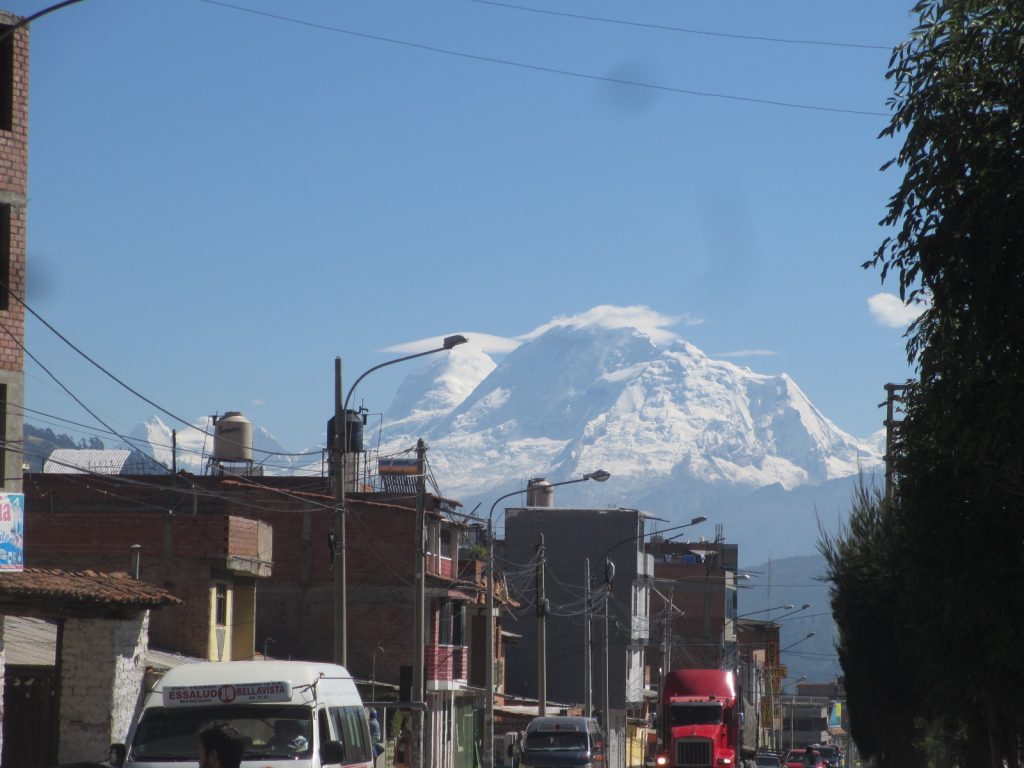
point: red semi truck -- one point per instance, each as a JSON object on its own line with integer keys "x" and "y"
{"x": 700, "y": 725}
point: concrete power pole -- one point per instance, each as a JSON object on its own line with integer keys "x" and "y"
{"x": 542, "y": 610}
{"x": 588, "y": 674}
{"x": 609, "y": 575}
{"x": 419, "y": 606}
{"x": 338, "y": 466}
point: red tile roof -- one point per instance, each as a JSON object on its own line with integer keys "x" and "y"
{"x": 83, "y": 588}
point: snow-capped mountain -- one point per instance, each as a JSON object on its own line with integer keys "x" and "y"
{"x": 681, "y": 433}
{"x": 195, "y": 445}
{"x": 575, "y": 399}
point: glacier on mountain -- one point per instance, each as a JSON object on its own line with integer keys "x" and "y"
{"x": 578, "y": 398}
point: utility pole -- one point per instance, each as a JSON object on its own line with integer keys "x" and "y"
{"x": 609, "y": 574}
{"x": 588, "y": 675}
{"x": 890, "y": 426}
{"x": 340, "y": 569}
{"x": 419, "y": 601}
{"x": 542, "y": 651}
{"x": 666, "y": 639}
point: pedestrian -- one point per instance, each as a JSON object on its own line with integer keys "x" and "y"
{"x": 220, "y": 746}
{"x": 403, "y": 749}
{"x": 375, "y": 739}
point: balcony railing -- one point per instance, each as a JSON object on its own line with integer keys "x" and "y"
{"x": 446, "y": 664}
{"x": 438, "y": 565}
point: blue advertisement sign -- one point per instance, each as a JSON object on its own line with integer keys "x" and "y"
{"x": 12, "y": 531}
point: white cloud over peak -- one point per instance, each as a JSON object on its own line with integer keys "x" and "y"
{"x": 654, "y": 324}
{"x": 748, "y": 353}
{"x": 485, "y": 342}
{"x": 889, "y": 310}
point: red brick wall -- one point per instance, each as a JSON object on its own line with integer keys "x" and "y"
{"x": 14, "y": 182}
{"x": 177, "y": 553}
{"x": 77, "y": 522}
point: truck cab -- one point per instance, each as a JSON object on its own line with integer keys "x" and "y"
{"x": 700, "y": 727}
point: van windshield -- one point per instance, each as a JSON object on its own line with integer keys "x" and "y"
{"x": 555, "y": 741}
{"x": 168, "y": 734}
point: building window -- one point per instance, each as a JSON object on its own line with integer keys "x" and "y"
{"x": 5, "y": 256}
{"x": 451, "y": 620}
{"x": 221, "y": 606}
{"x": 3, "y": 435}
{"x": 446, "y": 542}
{"x": 6, "y": 81}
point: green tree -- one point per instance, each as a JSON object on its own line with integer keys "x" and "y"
{"x": 957, "y": 246}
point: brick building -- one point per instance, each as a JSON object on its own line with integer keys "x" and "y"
{"x": 197, "y": 532}
{"x": 13, "y": 198}
{"x": 698, "y": 578}
{"x": 213, "y": 562}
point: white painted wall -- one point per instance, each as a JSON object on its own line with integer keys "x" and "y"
{"x": 103, "y": 662}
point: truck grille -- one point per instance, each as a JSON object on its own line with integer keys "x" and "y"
{"x": 693, "y": 753}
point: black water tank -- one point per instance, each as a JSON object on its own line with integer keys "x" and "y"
{"x": 355, "y": 432}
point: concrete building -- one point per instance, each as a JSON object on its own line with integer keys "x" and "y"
{"x": 570, "y": 536}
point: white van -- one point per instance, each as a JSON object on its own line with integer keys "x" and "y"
{"x": 299, "y": 714}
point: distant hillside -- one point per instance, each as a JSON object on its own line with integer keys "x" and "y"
{"x": 40, "y": 443}
{"x": 796, "y": 581}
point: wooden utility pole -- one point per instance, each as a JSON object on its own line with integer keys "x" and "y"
{"x": 890, "y": 425}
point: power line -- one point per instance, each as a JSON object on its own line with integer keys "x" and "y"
{"x": 540, "y": 68}
{"x": 97, "y": 365}
{"x": 666, "y": 28}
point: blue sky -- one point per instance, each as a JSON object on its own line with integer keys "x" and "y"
{"x": 222, "y": 202}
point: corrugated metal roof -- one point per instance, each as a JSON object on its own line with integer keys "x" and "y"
{"x": 33, "y": 642}
{"x": 108, "y": 461}
{"x": 29, "y": 641}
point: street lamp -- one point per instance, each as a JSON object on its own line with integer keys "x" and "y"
{"x": 803, "y": 607}
{"x": 598, "y": 476}
{"x": 695, "y": 521}
{"x": 808, "y": 636}
{"x": 340, "y": 445}
{"x": 732, "y": 621}
{"x": 792, "y": 708}
{"x": 609, "y": 569}
{"x": 373, "y": 669}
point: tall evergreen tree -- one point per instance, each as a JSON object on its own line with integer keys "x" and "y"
{"x": 958, "y": 246}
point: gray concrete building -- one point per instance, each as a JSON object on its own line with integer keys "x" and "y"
{"x": 571, "y": 536}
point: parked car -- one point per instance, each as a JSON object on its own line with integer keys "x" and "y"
{"x": 831, "y": 754}
{"x": 764, "y": 760}
{"x": 799, "y": 758}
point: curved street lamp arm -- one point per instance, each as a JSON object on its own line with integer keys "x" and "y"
{"x": 696, "y": 521}
{"x": 29, "y": 19}
{"x": 598, "y": 476}
{"x": 787, "y": 607}
{"x": 451, "y": 341}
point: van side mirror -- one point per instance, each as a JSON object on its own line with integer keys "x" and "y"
{"x": 118, "y": 754}
{"x": 332, "y": 752}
